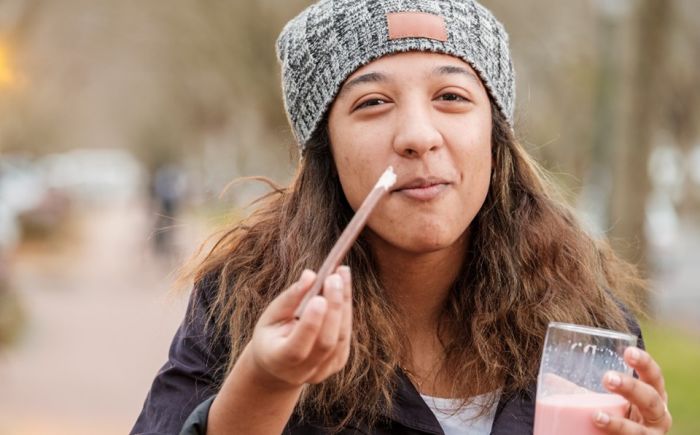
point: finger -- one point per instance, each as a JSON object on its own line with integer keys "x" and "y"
{"x": 283, "y": 306}
{"x": 346, "y": 323}
{"x": 298, "y": 346}
{"x": 635, "y": 415}
{"x": 339, "y": 357}
{"x": 347, "y": 303}
{"x": 647, "y": 369}
{"x": 330, "y": 329}
{"x": 322, "y": 372}
{"x": 326, "y": 368}
{"x": 617, "y": 425}
{"x": 647, "y": 400}
{"x": 346, "y": 320}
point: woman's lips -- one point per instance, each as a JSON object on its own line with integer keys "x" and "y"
{"x": 423, "y": 193}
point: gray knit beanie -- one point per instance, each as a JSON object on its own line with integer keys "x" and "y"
{"x": 331, "y": 39}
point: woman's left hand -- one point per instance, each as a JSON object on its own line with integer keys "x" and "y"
{"x": 647, "y": 396}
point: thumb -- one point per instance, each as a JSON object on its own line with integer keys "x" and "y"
{"x": 283, "y": 306}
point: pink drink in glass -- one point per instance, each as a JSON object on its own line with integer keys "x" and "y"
{"x": 572, "y": 414}
{"x": 570, "y": 388}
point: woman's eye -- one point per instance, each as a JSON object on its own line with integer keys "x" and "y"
{"x": 450, "y": 96}
{"x": 371, "y": 102}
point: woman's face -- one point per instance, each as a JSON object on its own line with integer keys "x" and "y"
{"x": 429, "y": 116}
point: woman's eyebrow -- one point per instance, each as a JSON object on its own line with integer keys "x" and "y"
{"x": 451, "y": 69}
{"x": 372, "y": 77}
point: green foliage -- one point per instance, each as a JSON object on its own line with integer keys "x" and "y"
{"x": 678, "y": 354}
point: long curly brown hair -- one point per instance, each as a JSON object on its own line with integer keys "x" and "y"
{"x": 529, "y": 262}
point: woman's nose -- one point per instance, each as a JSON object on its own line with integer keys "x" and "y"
{"x": 416, "y": 134}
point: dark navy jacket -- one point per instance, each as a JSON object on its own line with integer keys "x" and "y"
{"x": 185, "y": 386}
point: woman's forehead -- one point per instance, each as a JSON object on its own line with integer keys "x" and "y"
{"x": 427, "y": 63}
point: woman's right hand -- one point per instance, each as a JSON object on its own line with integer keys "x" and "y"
{"x": 286, "y": 352}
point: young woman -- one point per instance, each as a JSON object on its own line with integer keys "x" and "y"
{"x": 447, "y": 294}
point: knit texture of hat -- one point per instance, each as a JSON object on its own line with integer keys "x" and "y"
{"x": 321, "y": 47}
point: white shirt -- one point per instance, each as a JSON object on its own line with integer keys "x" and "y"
{"x": 463, "y": 421}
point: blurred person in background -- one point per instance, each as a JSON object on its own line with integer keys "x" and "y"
{"x": 168, "y": 186}
{"x": 447, "y": 294}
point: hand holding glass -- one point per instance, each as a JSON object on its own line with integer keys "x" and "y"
{"x": 570, "y": 387}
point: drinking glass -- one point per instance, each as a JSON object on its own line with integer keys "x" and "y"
{"x": 570, "y": 387}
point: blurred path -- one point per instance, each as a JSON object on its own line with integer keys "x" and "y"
{"x": 100, "y": 318}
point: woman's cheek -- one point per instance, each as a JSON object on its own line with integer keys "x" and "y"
{"x": 352, "y": 182}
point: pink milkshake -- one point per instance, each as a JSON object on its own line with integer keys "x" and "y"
{"x": 572, "y": 414}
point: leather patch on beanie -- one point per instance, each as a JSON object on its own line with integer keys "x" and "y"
{"x": 416, "y": 25}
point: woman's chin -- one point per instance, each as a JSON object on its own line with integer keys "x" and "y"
{"x": 428, "y": 246}
{"x": 417, "y": 239}
{"x": 425, "y": 244}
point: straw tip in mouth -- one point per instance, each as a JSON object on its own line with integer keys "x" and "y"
{"x": 387, "y": 179}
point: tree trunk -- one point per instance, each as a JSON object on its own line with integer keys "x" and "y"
{"x": 632, "y": 183}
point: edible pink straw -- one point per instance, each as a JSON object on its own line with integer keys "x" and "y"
{"x": 349, "y": 235}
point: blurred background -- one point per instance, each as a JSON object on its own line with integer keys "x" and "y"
{"x": 122, "y": 121}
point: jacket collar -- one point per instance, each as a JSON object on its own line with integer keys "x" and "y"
{"x": 514, "y": 413}
{"x": 410, "y": 409}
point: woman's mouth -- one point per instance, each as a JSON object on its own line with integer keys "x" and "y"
{"x": 426, "y": 192}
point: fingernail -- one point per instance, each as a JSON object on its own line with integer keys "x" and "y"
{"x": 344, "y": 271}
{"x": 316, "y": 305}
{"x": 614, "y": 380}
{"x": 602, "y": 418}
{"x": 306, "y": 275}
{"x": 337, "y": 288}
{"x": 335, "y": 282}
{"x": 634, "y": 355}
